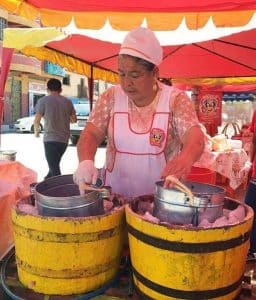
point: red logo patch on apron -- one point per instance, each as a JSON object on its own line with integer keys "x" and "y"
{"x": 156, "y": 137}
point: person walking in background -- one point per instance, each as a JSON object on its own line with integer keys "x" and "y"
{"x": 250, "y": 196}
{"x": 58, "y": 112}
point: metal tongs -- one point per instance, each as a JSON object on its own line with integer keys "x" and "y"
{"x": 98, "y": 187}
{"x": 174, "y": 181}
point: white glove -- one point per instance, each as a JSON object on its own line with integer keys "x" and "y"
{"x": 85, "y": 173}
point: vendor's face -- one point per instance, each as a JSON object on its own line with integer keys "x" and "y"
{"x": 136, "y": 80}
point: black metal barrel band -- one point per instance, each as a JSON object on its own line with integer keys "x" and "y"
{"x": 185, "y": 247}
{"x": 179, "y": 294}
{"x": 87, "y": 271}
{"x": 56, "y": 237}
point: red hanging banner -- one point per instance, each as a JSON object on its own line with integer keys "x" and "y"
{"x": 208, "y": 107}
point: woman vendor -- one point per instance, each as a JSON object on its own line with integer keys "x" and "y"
{"x": 151, "y": 128}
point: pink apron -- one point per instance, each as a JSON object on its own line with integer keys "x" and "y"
{"x": 140, "y": 157}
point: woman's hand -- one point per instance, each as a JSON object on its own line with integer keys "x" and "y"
{"x": 86, "y": 173}
{"x": 172, "y": 181}
{"x": 193, "y": 143}
{"x": 179, "y": 167}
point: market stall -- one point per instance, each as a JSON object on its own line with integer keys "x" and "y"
{"x": 231, "y": 168}
{"x": 180, "y": 251}
{"x": 229, "y": 161}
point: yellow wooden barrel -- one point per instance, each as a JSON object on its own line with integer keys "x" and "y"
{"x": 188, "y": 263}
{"x": 66, "y": 256}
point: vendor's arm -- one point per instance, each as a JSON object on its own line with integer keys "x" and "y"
{"x": 193, "y": 146}
{"x": 73, "y": 117}
{"x": 188, "y": 133}
{"x": 90, "y": 138}
{"x": 95, "y": 130}
{"x": 37, "y": 120}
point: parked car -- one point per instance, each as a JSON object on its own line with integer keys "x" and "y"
{"x": 26, "y": 124}
{"x": 82, "y": 113}
{"x": 82, "y": 109}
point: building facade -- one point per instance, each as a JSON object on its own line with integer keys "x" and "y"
{"x": 28, "y": 76}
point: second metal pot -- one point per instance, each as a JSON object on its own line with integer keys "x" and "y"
{"x": 173, "y": 206}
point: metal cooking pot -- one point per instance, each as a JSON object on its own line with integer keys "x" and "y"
{"x": 173, "y": 206}
{"x": 8, "y": 155}
{"x": 59, "y": 196}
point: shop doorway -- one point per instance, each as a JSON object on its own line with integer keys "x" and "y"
{"x": 33, "y": 98}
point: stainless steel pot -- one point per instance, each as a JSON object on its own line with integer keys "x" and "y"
{"x": 173, "y": 206}
{"x": 59, "y": 196}
{"x": 8, "y": 155}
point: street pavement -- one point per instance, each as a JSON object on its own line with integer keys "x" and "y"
{"x": 30, "y": 152}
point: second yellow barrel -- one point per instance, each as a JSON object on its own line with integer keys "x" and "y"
{"x": 188, "y": 262}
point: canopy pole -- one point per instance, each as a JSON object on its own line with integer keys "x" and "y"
{"x": 91, "y": 87}
{"x": 6, "y": 58}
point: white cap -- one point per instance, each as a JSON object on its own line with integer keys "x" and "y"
{"x": 141, "y": 42}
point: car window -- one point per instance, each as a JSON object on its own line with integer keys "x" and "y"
{"x": 82, "y": 109}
